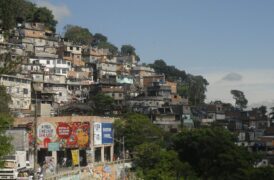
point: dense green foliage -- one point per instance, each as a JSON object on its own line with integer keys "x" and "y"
{"x": 83, "y": 36}
{"x": 193, "y": 87}
{"x": 127, "y": 50}
{"x": 102, "y": 104}
{"x": 136, "y": 129}
{"x": 263, "y": 173}
{"x": 196, "y": 89}
{"x": 9, "y": 64}
{"x": 5, "y": 99}
{"x": 212, "y": 153}
{"x": 98, "y": 37}
{"x": 78, "y": 35}
{"x": 44, "y": 15}
{"x": 24, "y": 11}
{"x": 106, "y": 45}
{"x": 205, "y": 153}
{"x": 171, "y": 72}
{"x": 5, "y": 122}
{"x": 240, "y": 100}
{"x": 154, "y": 162}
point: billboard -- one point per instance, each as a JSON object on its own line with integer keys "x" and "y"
{"x": 97, "y": 129}
{"x": 103, "y": 133}
{"x": 67, "y": 134}
{"x": 107, "y": 133}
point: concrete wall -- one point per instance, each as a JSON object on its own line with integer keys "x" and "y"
{"x": 19, "y": 140}
{"x": 19, "y": 89}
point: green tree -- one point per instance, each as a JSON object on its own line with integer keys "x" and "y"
{"x": 261, "y": 173}
{"x": 263, "y": 110}
{"x": 154, "y": 162}
{"x": 78, "y": 35}
{"x": 5, "y": 99}
{"x": 97, "y": 38}
{"x": 137, "y": 58}
{"x": 5, "y": 122}
{"x": 127, "y": 50}
{"x": 171, "y": 72}
{"x": 197, "y": 87}
{"x": 271, "y": 115}
{"x": 212, "y": 153}
{"x": 9, "y": 64}
{"x": 22, "y": 10}
{"x": 7, "y": 14}
{"x": 44, "y": 15}
{"x": 194, "y": 87}
{"x": 136, "y": 129}
{"x": 106, "y": 45}
{"x": 102, "y": 104}
{"x": 240, "y": 100}
{"x": 182, "y": 89}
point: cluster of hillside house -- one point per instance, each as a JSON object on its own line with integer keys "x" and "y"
{"x": 57, "y": 75}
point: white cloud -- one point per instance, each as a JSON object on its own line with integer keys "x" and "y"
{"x": 232, "y": 77}
{"x": 257, "y": 85}
{"x": 59, "y": 11}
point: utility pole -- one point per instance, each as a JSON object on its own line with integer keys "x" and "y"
{"x": 124, "y": 157}
{"x": 35, "y": 139}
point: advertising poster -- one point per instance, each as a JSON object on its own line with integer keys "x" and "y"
{"x": 97, "y": 133}
{"x": 68, "y": 135}
{"x": 46, "y": 133}
{"x": 53, "y": 146}
{"x": 73, "y": 135}
{"x": 75, "y": 157}
{"x": 107, "y": 133}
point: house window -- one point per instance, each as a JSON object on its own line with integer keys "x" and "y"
{"x": 11, "y": 79}
{"x": 68, "y": 63}
{"x": 120, "y": 94}
{"x": 60, "y": 93}
{"x": 58, "y": 70}
{"x": 77, "y": 48}
{"x": 48, "y": 62}
{"x": 66, "y": 54}
{"x": 64, "y": 71}
{"x": 58, "y": 61}
{"x": 63, "y": 62}
{"x": 25, "y": 91}
{"x": 71, "y": 48}
{"x": 113, "y": 94}
{"x": 18, "y": 90}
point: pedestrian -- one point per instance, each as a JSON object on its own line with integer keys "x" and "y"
{"x": 64, "y": 162}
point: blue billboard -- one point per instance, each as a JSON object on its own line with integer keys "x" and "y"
{"x": 107, "y": 133}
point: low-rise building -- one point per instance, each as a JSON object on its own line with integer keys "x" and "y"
{"x": 52, "y": 65}
{"x": 19, "y": 89}
{"x": 91, "y": 136}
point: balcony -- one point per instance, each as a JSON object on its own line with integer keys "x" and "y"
{"x": 80, "y": 82}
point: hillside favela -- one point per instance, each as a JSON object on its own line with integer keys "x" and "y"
{"x": 160, "y": 90}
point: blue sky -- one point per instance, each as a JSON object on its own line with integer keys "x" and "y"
{"x": 210, "y": 37}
